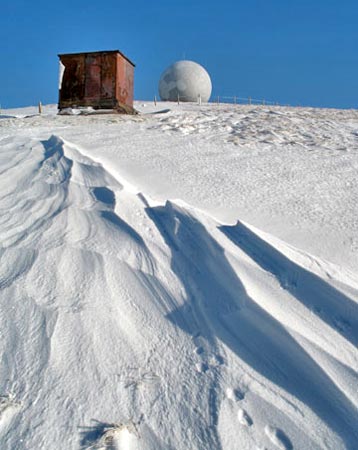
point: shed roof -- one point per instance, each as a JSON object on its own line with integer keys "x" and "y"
{"x": 97, "y": 53}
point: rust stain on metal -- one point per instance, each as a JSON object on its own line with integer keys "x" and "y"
{"x": 103, "y": 80}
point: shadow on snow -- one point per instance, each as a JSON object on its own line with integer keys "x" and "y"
{"x": 219, "y": 306}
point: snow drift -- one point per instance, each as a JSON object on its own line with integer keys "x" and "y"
{"x": 128, "y": 323}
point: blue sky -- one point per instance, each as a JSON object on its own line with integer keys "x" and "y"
{"x": 293, "y": 52}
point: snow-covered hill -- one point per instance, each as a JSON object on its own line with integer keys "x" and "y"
{"x": 184, "y": 279}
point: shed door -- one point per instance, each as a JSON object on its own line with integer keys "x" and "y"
{"x": 93, "y": 77}
{"x": 108, "y": 76}
{"x": 73, "y": 80}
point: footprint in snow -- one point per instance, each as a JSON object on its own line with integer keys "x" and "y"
{"x": 244, "y": 418}
{"x": 201, "y": 367}
{"x": 234, "y": 395}
{"x": 278, "y": 438}
{"x": 199, "y": 350}
{"x": 197, "y": 338}
{"x": 216, "y": 360}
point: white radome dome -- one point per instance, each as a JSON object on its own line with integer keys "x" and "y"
{"x": 186, "y": 79}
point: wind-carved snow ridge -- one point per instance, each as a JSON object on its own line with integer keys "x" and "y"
{"x": 252, "y": 126}
{"x": 128, "y": 324}
{"x": 63, "y": 246}
{"x": 218, "y": 299}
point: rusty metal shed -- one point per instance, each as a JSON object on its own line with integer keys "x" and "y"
{"x": 102, "y": 80}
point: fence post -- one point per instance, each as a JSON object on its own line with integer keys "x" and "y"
{"x": 40, "y": 108}
{"x": 178, "y": 99}
{"x": 155, "y": 100}
{"x": 199, "y": 99}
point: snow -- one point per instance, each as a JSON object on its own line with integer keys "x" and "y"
{"x": 181, "y": 279}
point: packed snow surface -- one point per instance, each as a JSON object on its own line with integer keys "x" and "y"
{"x": 184, "y": 279}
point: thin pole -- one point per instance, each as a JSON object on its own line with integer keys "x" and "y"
{"x": 155, "y": 100}
{"x": 40, "y": 108}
